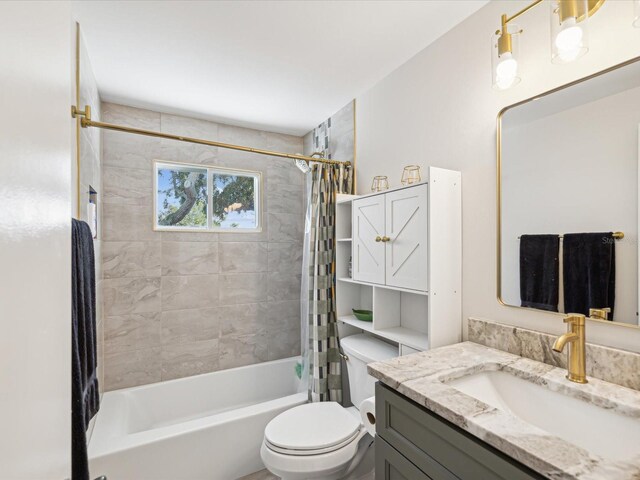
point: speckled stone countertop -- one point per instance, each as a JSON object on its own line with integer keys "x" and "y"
{"x": 420, "y": 377}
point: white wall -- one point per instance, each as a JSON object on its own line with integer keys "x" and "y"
{"x": 574, "y": 171}
{"x": 439, "y": 109}
{"x": 35, "y": 239}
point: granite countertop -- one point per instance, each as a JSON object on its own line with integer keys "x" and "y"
{"x": 420, "y": 377}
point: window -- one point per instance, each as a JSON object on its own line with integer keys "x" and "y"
{"x": 200, "y": 198}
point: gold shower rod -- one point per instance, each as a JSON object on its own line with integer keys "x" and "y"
{"x": 86, "y": 122}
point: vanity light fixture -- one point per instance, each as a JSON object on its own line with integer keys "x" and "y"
{"x": 569, "y": 38}
{"x": 505, "y": 54}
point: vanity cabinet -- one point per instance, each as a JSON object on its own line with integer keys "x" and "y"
{"x": 414, "y": 443}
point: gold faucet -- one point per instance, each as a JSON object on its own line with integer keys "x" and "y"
{"x": 575, "y": 336}
{"x": 600, "y": 313}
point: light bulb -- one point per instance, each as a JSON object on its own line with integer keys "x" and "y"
{"x": 569, "y": 40}
{"x": 506, "y": 71}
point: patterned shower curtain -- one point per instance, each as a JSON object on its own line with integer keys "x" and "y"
{"x": 325, "y": 372}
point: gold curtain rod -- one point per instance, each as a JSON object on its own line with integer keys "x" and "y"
{"x": 86, "y": 122}
{"x": 615, "y": 235}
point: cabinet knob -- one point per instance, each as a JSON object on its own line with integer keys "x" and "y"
{"x": 379, "y": 239}
{"x": 385, "y": 239}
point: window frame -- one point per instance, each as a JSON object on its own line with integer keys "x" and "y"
{"x": 210, "y": 170}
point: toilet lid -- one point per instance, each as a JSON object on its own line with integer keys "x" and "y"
{"x": 313, "y": 426}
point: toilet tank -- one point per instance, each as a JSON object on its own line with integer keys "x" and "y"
{"x": 362, "y": 349}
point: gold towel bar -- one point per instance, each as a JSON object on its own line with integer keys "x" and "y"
{"x": 615, "y": 235}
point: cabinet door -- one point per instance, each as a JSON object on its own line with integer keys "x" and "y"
{"x": 368, "y": 254}
{"x": 390, "y": 465}
{"x": 407, "y": 249}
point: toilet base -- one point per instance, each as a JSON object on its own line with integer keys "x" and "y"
{"x": 362, "y": 470}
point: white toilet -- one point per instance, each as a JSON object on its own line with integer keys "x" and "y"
{"x": 325, "y": 441}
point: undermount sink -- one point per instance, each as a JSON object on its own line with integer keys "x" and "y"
{"x": 602, "y": 432}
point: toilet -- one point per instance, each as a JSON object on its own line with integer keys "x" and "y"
{"x": 325, "y": 441}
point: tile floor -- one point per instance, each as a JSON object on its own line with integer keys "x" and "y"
{"x": 266, "y": 475}
{"x": 261, "y": 475}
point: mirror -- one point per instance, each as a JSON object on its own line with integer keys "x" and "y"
{"x": 568, "y": 198}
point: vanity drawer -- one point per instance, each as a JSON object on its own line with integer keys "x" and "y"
{"x": 390, "y": 465}
{"x": 437, "y": 447}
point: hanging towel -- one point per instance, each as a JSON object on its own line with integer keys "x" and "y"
{"x": 539, "y": 271}
{"x": 85, "y": 400}
{"x": 589, "y": 272}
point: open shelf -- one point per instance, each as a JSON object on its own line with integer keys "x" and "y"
{"x": 354, "y": 322}
{"x": 386, "y": 287}
{"x": 400, "y": 335}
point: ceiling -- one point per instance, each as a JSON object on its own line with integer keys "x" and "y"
{"x": 282, "y": 66}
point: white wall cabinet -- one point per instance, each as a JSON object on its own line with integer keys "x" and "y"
{"x": 406, "y": 252}
{"x": 368, "y": 248}
{"x": 390, "y": 241}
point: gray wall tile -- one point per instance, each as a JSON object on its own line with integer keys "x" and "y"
{"x": 285, "y": 258}
{"x": 283, "y": 287}
{"x": 125, "y": 333}
{"x": 188, "y": 326}
{"x": 131, "y": 259}
{"x": 128, "y": 223}
{"x": 172, "y": 150}
{"x": 189, "y": 359}
{"x": 285, "y": 199}
{"x": 243, "y": 257}
{"x": 285, "y": 227}
{"x": 189, "y": 291}
{"x": 128, "y": 186}
{"x": 238, "y": 288}
{"x": 128, "y": 369}
{"x": 189, "y": 258}
{"x": 284, "y": 343}
{"x": 131, "y": 295}
{"x": 237, "y": 351}
{"x": 283, "y": 314}
{"x": 243, "y": 319}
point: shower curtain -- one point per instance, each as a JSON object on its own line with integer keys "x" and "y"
{"x": 321, "y": 362}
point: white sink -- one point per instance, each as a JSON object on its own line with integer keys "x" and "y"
{"x": 602, "y": 432}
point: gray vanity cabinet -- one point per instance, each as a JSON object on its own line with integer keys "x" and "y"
{"x": 414, "y": 444}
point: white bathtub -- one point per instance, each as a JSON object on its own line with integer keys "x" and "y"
{"x": 207, "y": 427}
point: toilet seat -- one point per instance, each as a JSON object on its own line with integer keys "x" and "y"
{"x": 312, "y": 429}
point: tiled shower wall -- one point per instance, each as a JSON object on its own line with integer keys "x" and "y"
{"x": 179, "y": 303}
{"x": 335, "y": 137}
{"x": 91, "y": 177}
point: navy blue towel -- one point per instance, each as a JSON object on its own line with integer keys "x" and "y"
{"x": 589, "y": 262}
{"x": 85, "y": 399}
{"x": 539, "y": 271}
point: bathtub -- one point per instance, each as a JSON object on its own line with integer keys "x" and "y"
{"x": 206, "y": 427}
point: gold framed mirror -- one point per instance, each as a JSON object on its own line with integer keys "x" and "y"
{"x": 567, "y": 198}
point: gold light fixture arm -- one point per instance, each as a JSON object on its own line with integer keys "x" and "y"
{"x": 506, "y": 19}
{"x": 86, "y": 122}
{"x": 567, "y": 5}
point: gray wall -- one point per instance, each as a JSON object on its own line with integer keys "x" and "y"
{"x": 179, "y": 303}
